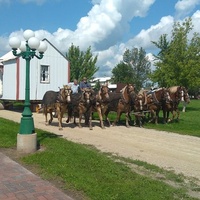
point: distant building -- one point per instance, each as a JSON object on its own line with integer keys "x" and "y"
{"x": 103, "y": 81}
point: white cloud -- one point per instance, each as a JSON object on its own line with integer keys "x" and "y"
{"x": 107, "y": 22}
{"x": 144, "y": 38}
{"x": 105, "y": 26}
{"x": 185, "y": 7}
{"x": 107, "y": 59}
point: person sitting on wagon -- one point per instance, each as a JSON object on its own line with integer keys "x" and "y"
{"x": 84, "y": 84}
{"x": 75, "y": 87}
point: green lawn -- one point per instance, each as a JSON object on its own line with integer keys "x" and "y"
{"x": 95, "y": 175}
{"x": 188, "y": 124}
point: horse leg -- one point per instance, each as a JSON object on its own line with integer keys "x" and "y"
{"x": 45, "y": 114}
{"x": 127, "y": 119}
{"x": 138, "y": 120}
{"x": 164, "y": 115}
{"x": 184, "y": 106}
{"x": 51, "y": 116}
{"x": 157, "y": 116}
{"x": 100, "y": 117}
{"x": 80, "y": 117}
{"x": 90, "y": 120}
{"x": 69, "y": 113}
{"x": 117, "y": 118}
{"x": 173, "y": 115}
{"x": 152, "y": 116}
{"x": 106, "y": 118}
{"x": 59, "y": 113}
{"x": 178, "y": 114}
{"x": 168, "y": 119}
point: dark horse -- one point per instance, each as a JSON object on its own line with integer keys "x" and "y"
{"x": 177, "y": 94}
{"x": 82, "y": 104}
{"x": 56, "y": 102}
{"x": 121, "y": 103}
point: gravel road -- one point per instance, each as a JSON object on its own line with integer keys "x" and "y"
{"x": 167, "y": 150}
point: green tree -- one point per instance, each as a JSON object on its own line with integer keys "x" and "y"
{"x": 135, "y": 68}
{"x": 178, "y": 60}
{"x": 81, "y": 63}
{"x": 97, "y": 86}
{"x": 122, "y": 73}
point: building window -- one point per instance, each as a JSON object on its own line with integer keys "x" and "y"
{"x": 44, "y": 75}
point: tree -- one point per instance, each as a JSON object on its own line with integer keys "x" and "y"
{"x": 97, "y": 86}
{"x": 135, "y": 68}
{"x": 81, "y": 63}
{"x": 122, "y": 73}
{"x": 178, "y": 60}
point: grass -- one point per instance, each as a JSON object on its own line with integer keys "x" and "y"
{"x": 188, "y": 123}
{"x": 93, "y": 174}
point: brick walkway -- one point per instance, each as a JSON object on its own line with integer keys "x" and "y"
{"x": 17, "y": 183}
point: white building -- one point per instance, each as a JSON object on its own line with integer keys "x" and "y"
{"x": 49, "y": 73}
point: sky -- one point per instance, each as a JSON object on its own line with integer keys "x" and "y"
{"x": 109, "y": 27}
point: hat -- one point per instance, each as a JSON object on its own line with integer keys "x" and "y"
{"x": 84, "y": 78}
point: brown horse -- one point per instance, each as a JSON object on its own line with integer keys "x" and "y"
{"x": 121, "y": 103}
{"x": 185, "y": 100}
{"x": 101, "y": 103}
{"x": 155, "y": 101}
{"x": 177, "y": 94}
{"x": 140, "y": 106}
{"x": 56, "y": 102}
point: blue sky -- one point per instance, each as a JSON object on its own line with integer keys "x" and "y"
{"x": 108, "y": 26}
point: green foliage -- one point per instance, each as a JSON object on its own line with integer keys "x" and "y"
{"x": 134, "y": 69}
{"x": 177, "y": 63}
{"x": 97, "y": 85}
{"x": 81, "y": 63}
{"x": 8, "y": 133}
{"x": 122, "y": 73}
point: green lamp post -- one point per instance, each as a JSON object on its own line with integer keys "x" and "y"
{"x": 27, "y": 51}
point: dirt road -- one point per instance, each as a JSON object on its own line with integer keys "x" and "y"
{"x": 167, "y": 150}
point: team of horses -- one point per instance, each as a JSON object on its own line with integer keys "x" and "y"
{"x": 143, "y": 104}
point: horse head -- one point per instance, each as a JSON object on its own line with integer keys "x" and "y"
{"x": 127, "y": 91}
{"x": 159, "y": 95}
{"x": 130, "y": 88}
{"x": 67, "y": 93}
{"x": 180, "y": 93}
{"x": 86, "y": 95}
{"x": 166, "y": 95}
{"x": 186, "y": 97}
{"x": 104, "y": 93}
{"x": 141, "y": 100}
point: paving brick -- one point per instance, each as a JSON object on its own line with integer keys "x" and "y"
{"x": 17, "y": 183}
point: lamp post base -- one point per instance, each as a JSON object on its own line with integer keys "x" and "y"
{"x": 27, "y": 125}
{"x": 27, "y": 143}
